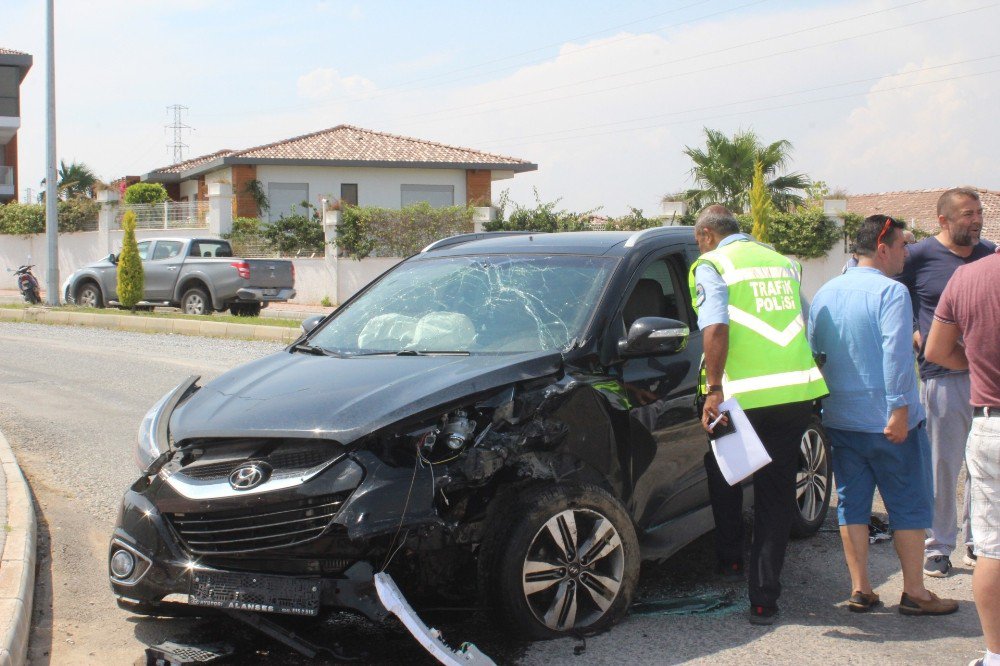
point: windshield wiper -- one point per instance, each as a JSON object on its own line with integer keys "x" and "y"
{"x": 307, "y": 348}
{"x": 414, "y": 352}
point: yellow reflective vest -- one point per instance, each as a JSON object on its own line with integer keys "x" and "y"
{"x": 769, "y": 361}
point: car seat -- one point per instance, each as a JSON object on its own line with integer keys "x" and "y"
{"x": 646, "y": 300}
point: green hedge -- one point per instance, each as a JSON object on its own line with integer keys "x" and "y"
{"x": 804, "y": 233}
{"x": 25, "y": 219}
{"x": 145, "y": 193}
{"x": 386, "y": 232}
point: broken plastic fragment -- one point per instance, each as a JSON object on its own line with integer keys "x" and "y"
{"x": 431, "y": 639}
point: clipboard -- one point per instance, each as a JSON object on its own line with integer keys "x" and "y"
{"x": 739, "y": 451}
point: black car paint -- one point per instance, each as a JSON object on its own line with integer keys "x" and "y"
{"x": 628, "y": 424}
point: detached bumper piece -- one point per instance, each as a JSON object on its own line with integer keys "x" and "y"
{"x": 430, "y": 638}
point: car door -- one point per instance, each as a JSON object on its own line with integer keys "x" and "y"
{"x": 161, "y": 270}
{"x": 667, "y": 444}
{"x": 109, "y": 275}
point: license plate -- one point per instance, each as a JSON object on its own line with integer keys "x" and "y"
{"x": 270, "y": 292}
{"x": 254, "y": 592}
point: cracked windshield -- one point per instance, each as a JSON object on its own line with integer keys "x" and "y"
{"x": 490, "y": 304}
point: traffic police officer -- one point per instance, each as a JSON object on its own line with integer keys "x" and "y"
{"x": 750, "y": 314}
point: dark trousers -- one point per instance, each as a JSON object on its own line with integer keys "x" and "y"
{"x": 780, "y": 429}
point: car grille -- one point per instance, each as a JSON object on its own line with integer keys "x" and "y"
{"x": 255, "y": 529}
{"x": 285, "y": 461}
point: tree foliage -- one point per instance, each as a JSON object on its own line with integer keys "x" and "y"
{"x": 76, "y": 180}
{"x": 296, "y": 232}
{"x": 545, "y": 216}
{"x": 77, "y": 214}
{"x": 130, "y": 276}
{"x": 723, "y": 171}
{"x": 384, "y": 232}
{"x": 146, "y": 193}
{"x": 804, "y": 233}
{"x": 761, "y": 206}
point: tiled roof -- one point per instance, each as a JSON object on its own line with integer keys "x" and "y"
{"x": 355, "y": 146}
{"x": 919, "y": 208}
{"x": 4, "y": 51}
{"x": 193, "y": 162}
{"x": 349, "y": 143}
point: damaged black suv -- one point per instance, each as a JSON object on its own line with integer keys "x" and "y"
{"x": 505, "y": 417}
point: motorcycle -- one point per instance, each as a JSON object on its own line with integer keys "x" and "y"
{"x": 28, "y": 284}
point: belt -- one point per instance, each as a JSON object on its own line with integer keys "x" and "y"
{"x": 987, "y": 411}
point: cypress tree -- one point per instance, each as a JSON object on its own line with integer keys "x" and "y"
{"x": 130, "y": 276}
{"x": 761, "y": 207}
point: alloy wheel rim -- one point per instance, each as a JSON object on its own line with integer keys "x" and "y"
{"x": 573, "y": 570}
{"x": 812, "y": 480}
{"x": 88, "y": 298}
{"x": 195, "y": 305}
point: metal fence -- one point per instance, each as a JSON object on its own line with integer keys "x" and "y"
{"x": 167, "y": 215}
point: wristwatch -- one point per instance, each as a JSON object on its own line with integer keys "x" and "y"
{"x": 714, "y": 388}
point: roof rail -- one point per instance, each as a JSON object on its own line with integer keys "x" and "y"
{"x": 646, "y": 233}
{"x": 467, "y": 238}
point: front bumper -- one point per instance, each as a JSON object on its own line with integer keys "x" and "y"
{"x": 263, "y": 295}
{"x": 337, "y": 560}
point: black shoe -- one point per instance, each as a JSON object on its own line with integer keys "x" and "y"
{"x": 730, "y": 571}
{"x": 763, "y": 615}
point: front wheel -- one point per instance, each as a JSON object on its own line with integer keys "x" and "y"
{"x": 89, "y": 296}
{"x": 195, "y": 302}
{"x": 813, "y": 481}
{"x": 566, "y": 560}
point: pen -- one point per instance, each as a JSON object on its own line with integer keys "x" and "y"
{"x": 711, "y": 426}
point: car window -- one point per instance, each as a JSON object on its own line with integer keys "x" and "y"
{"x": 657, "y": 293}
{"x": 487, "y": 304}
{"x": 166, "y": 249}
{"x": 144, "y": 249}
{"x": 209, "y": 248}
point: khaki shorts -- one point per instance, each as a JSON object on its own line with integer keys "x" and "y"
{"x": 982, "y": 456}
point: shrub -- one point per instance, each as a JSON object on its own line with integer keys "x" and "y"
{"x": 25, "y": 219}
{"x": 633, "y": 221}
{"x": 296, "y": 232}
{"x": 387, "y": 232}
{"x": 130, "y": 275}
{"x": 805, "y": 233}
{"x": 145, "y": 193}
{"x": 543, "y": 217}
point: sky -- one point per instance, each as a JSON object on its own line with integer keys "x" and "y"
{"x": 874, "y": 95}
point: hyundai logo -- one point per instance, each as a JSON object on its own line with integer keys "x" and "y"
{"x": 249, "y": 476}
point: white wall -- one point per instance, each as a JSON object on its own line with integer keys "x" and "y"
{"x": 189, "y": 189}
{"x": 816, "y": 272}
{"x": 376, "y": 186}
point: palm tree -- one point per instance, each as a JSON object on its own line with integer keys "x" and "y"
{"x": 723, "y": 171}
{"x": 76, "y": 179}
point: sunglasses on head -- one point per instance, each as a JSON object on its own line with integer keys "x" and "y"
{"x": 889, "y": 223}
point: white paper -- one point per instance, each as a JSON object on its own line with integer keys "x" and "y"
{"x": 741, "y": 453}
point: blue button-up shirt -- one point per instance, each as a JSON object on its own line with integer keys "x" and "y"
{"x": 863, "y": 322}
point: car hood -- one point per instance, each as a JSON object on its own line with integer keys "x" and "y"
{"x": 100, "y": 263}
{"x": 343, "y": 399}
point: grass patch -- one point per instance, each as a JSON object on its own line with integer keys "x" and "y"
{"x": 219, "y": 316}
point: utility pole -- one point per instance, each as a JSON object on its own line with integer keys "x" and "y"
{"x": 178, "y": 127}
{"x": 51, "y": 199}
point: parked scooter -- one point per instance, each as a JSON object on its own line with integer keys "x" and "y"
{"x": 28, "y": 284}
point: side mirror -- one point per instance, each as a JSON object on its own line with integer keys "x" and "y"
{"x": 112, "y": 259}
{"x": 309, "y": 324}
{"x": 653, "y": 336}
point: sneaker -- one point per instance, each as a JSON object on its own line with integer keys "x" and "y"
{"x": 969, "y": 559}
{"x": 861, "y": 602}
{"x": 933, "y": 606}
{"x": 937, "y": 566}
{"x": 763, "y": 615}
{"x": 730, "y": 571}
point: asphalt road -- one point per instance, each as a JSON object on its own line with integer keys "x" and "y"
{"x": 72, "y": 398}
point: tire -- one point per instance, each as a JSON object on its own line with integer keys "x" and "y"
{"x": 534, "y": 563}
{"x": 32, "y": 297}
{"x": 195, "y": 302}
{"x": 89, "y": 296}
{"x": 245, "y": 309}
{"x": 813, "y": 481}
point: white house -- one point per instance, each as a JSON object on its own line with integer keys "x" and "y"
{"x": 358, "y": 166}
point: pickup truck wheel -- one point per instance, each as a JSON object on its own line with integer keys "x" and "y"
{"x": 245, "y": 309}
{"x": 89, "y": 296}
{"x": 195, "y": 302}
{"x": 568, "y": 561}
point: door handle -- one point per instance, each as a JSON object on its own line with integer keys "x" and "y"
{"x": 171, "y": 268}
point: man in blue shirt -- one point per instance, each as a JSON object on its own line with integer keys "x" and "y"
{"x": 862, "y": 322}
{"x": 945, "y": 393}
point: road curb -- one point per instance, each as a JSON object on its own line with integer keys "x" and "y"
{"x": 17, "y": 567}
{"x": 211, "y": 329}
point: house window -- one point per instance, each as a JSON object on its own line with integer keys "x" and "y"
{"x": 437, "y": 196}
{"x": 286, "y": 199}
{"x": 349, "y": 193}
